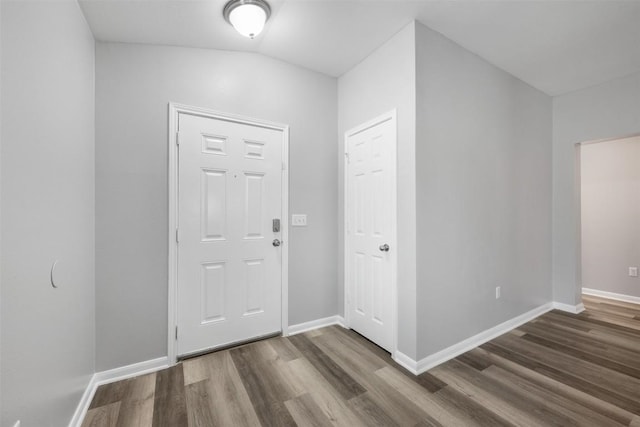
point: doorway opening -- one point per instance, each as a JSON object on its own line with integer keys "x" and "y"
{"x": 609, "y": 182}
{"x": 228, "y": 230}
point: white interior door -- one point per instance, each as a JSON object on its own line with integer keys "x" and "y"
{"x": 229, "y": 264}
{"x": 370, "y": 230}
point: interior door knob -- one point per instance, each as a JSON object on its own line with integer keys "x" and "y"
{"x": 276, "y": 242}
{"x": 384, "y": 248}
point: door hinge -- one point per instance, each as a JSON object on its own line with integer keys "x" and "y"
{"x": 178, "y": 139}
{"x": 346, "y": 156}
{"x": 176, "y": 332}
{"x": 177, "y": 235}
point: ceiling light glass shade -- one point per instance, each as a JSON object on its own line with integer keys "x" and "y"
{"x": 247, "y": 16}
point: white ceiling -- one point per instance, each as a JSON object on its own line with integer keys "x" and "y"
{"x": 556, "y": 46}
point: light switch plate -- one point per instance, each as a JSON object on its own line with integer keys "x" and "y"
{"x": 299, "y": 220}
{"x": 633, "y": 271}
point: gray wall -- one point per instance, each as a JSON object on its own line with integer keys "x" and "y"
{"x": 1, "y": 93}
{"x": 383, "y": 81}
{"x": 134, "y": 84}
{"x": 610, "y": 199}
{"x": 610, "y": 110}
{"x": 47, "y": 211}
{"x": 483, "y": 150}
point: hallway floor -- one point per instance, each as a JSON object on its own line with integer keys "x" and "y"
{"x": 559, "y": 369}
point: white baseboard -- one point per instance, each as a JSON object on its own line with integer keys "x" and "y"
{"x": 405, "y": 361}
{"x": 611, "y": 295}
{"x": 575, "y": 309}
{"x": 433, "y": 360}
{"x": 83, "y": 405}
{"x": 113, "y": 375}
{"x": 129, "y": 371}
{"x": 315, "y": 324}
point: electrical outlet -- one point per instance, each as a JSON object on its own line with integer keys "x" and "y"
{"x": 633, "y": 271}
{"x": 497, "y": 292}
{"x": 299, "y": 220}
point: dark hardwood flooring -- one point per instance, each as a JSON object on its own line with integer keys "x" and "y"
{"x": 559, "y": 369}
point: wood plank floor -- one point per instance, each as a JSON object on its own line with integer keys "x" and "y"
{"x": 560, "y": 369}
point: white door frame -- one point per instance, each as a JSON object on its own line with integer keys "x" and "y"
{"x": 388, "y": 116}
{"x": 174, "y": 111}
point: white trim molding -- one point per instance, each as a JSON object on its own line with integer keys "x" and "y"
{"x": 110, "y": 376}
{"x": 405, "y": 361}
{"x": 315, "y": 324}
{"x": 611, "y": 295}
{"x": 175, "y": 110}
{"x": 129, "y": 371}
{"x": 83, "y": 405}
{"x": 435, "y": 359}
{"x": 574, "y": 309}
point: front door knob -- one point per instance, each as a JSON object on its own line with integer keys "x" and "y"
{"x": 384, "y": 248}
{"x": 276, "y": 242}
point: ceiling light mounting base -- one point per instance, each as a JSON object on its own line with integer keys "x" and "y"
{"x": 247, "y": 16}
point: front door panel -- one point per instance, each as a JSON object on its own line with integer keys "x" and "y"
{"x": 229, "y": 271}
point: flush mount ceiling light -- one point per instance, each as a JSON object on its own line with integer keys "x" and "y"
{"x": 247, "y": 16}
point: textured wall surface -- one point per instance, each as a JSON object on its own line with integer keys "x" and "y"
{"x": 134, "y": 84}
{"x": 483, "y": 155}
{"x": 48, "y": 211}
{"x": 610, "y": 110}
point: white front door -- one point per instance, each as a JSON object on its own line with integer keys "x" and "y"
{"x": 370, "y": 229}
{"x": 229, "y": 264}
